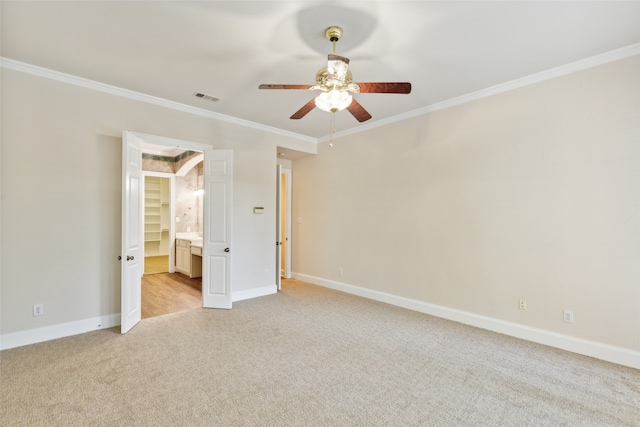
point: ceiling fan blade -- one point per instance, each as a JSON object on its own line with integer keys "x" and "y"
{"x": 269, "y": 86}
{"x": 304, "y": 110}
{"x": 400, "y": 87}
{"x": 358, "y": 111}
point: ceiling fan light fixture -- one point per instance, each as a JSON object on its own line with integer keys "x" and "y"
{"x": 333, "y": 100}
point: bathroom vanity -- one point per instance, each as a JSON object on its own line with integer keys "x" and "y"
{"x": 189, "y": 255}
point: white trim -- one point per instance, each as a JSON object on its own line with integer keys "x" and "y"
{"x": 158, "y": 174}
{"x": 171, "y": 142}
{"x": 288, "y": 171}
{"x": 583, "y": 64}
{"x": 254, "y": 293}
{"x": 189, "y": 164}
{"x": 619, "y": 355}
{"x": 22, "y": 67}
{"x": 47, "y": 333}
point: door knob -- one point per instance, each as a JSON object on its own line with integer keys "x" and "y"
{"x": 129, "y": 258}
{"x": 226, "y": 249}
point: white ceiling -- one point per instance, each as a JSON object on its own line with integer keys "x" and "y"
{"x": 172, "y": 49}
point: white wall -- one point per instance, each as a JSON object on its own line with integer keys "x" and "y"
{"x": 530, "y": 194}
{"x": 61, "y": 197}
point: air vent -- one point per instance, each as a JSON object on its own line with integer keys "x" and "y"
{"x": 206, "y": 97}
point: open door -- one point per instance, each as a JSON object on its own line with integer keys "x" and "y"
{"x": 284, "y": 221}
{"x": 131, "y": 252}
{"x": 216, "y": 260}
{"x": 279, "y": 227}
{"x": 216, "y": 256}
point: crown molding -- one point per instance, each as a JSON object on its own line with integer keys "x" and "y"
{"x": 573, "y": 67}
{"x": 23, "y": 67}
{"x": 583, "y": 64}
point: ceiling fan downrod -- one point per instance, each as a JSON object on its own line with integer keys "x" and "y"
{"x": 333, "y": 34}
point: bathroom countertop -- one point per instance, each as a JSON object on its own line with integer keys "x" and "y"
{"x": 189, "y": 236}
{"x": 194, "y": 238}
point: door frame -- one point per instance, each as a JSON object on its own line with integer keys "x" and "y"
{"x": 208, "y": 152}
{"x": 286, "y": 170}
{"x": 279, "y": 214}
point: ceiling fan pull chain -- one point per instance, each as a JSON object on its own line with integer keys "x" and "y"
{"x": 333, "y": 129}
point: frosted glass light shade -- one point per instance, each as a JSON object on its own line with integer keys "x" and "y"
{"x": 333, "y": 101}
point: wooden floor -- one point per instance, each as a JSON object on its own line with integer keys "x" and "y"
{"x": 165, "y": 293}
{"x": 156, "y": 264}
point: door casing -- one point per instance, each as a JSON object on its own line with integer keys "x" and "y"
{"x": 286, "y": 171}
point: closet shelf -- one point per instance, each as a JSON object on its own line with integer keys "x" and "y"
{"x": 156, "y": 216}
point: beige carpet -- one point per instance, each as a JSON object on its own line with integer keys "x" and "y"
{"x": 309, "y": 356}
{"x": 156, "y": 264}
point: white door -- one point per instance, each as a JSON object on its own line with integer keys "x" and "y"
{"x": 279, "y": 227}
{"x": 131, "y": 252}
{"x": 217, "y": 250}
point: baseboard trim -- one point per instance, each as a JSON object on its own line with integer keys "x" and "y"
{"x": 609, "y": 353}
{"x": 254, "y": 293}
{"x": 47, "y": 333}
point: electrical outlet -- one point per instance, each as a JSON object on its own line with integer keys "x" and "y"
{"x": 523, "y": 304}
{"x": 340, "y": 271}
{"x": 568, "y": 316}
{"x": 38, "y": 310}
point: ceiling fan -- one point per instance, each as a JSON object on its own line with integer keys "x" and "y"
{"x": 335, "y": 82}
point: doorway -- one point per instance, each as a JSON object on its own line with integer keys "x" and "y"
{"x": 283, "y": 222}
{"x": 165, "y": 293}
{"x": 172, "y": 204}
{"x": 217, "y": 228}
{"x": 158, "y": 190}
